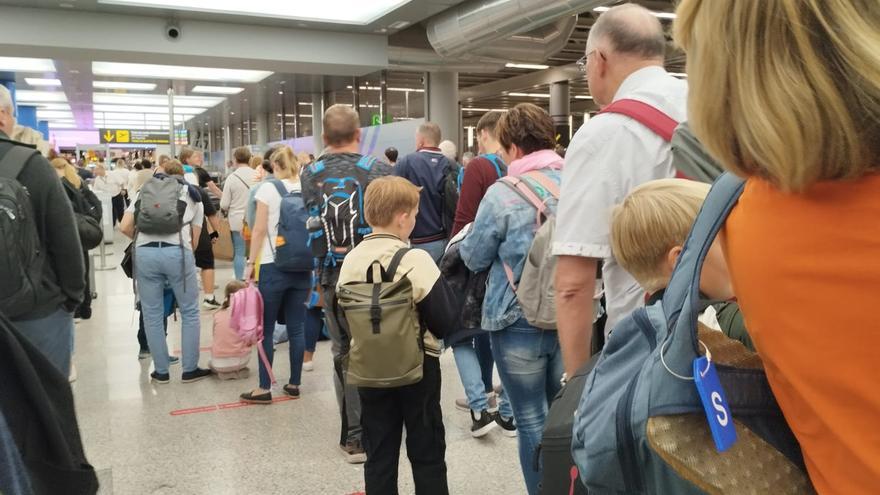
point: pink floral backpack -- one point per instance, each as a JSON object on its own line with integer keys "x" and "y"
{"x": 246, "y": 319}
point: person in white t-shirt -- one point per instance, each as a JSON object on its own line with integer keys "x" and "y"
{"x": 284, "y": 293}
{"x": 162, "y": 260}
{"x": 233, "y": 202}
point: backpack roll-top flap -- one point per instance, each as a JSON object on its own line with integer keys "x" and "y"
{"x": 159, "y": 209}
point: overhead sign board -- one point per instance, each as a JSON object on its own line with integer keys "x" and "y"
{"x": 133, "y": 136}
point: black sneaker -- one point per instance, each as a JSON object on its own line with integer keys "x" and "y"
{"x": 196, "y": 375}
{"x": 508, "y": 428}
{"x": 482, "y": 426}
{"x": 162, "y": 378}
{"x": 211, "y": 304}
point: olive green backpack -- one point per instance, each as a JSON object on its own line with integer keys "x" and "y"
{"x": 386, "y": 335}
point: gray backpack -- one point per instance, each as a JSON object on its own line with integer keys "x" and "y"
{"x": 641, "y": 427}
{"x": 159, "y": 209}
{"x": 535, "y": 292}
{"x": 386, "y": 335}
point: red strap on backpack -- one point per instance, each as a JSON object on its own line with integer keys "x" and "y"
{"x": 661, "y": 124}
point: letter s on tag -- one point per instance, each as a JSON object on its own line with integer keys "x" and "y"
{"x": 714, "y": 404}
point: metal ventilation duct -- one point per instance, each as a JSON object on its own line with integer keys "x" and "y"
{"x": 418, "y": 59}
{"x": 534, "y": 46}
{"x": 474, "y": 26}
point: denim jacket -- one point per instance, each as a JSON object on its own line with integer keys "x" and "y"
{"x": 502, "y": 233}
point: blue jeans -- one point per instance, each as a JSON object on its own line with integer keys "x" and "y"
{"x": 471, "y": 370}
{"x": 434, "y": 248}
{"x": 530, "y": 364}
{"x": 284, "y": 296}
{"x": 154, "y": 268}
{"x": 238, "y": 256}
{"x": 52, "y": 335}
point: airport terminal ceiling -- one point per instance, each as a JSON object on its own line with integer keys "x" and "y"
{"x": 73, "y": 93}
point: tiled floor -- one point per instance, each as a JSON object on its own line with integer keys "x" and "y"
{"x": 138, "y": 447}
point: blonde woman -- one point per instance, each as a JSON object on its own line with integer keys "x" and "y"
{"x": 787, "y": 94}
{"x": 84, "y": 202}
{"x": 284, "y": 293}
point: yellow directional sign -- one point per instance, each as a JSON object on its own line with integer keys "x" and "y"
{"x": 133, "y": 136}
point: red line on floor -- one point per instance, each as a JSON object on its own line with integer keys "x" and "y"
{"x": 220, "y": 407}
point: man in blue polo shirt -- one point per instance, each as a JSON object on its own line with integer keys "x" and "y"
{"x": 427, "y": 169}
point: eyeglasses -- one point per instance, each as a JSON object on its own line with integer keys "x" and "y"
{"x": 582, "y": 64}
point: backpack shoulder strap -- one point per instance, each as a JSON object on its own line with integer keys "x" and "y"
{"x": 545, "y": 182}
{"x": 522, "y": 188}
{"x": 14, "y": 160}
{"x": 279, "y": 186}
{"x": 682, "y": 295}
{"x": 395, "y": 263}
{"x": 661, "y": 124}
{"x": 496, "y": 161}
{"x": 366, "y": 162}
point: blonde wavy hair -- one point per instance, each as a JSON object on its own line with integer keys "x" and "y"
{"x": 67, "y": 171}
{"x": 285, "y": 164}
{"x": 786, "y": 90}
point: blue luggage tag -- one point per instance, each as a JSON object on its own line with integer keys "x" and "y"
{"x": 714, "y": 403}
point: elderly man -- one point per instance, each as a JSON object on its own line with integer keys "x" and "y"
{"x": 42, "y": 285}
{"x": 610, "y": 155}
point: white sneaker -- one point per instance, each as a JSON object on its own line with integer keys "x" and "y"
{"x": 210, "y": 304}
{"x": 72, "y": 377}
{"x": 309, "y": 366}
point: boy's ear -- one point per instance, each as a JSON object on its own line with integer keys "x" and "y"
{"x": 672, "y": 256}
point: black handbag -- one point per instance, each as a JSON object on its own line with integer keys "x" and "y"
{"x": 91, "y": 234}
{"x": 127, "y": 261}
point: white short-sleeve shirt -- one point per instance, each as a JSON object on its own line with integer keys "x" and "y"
{"x": 268, "y": 195}
{"x": 609, "y": 156}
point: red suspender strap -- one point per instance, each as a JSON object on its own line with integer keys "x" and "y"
{"x": 663, "y": 125}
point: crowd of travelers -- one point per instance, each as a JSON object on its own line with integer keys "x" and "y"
{"x": 573, "y": 276}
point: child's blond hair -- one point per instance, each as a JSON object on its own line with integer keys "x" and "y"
{"x": 231, "y": 288}
{"x": 387, "y": 197}
{"x": 654, "y": 218}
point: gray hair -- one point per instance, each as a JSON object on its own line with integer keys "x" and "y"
{"x": 449, "y": 150}
{"x": 631, "y": 29}
{"x": 6, "y": 100}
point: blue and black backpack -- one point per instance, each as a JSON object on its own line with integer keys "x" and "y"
{"x": 500, "y": 168}
{"x": 291, "y": 246}
{"x": 337, "y": 224}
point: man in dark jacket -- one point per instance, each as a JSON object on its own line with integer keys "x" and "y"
{"x": 427, "y": 168}
{"x": 48, "y": 323}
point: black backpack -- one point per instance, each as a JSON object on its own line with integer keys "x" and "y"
{"x": 337, "y": 224}
{"x": 450, "y": 194}
{"x": 37, "y": 403}
{"x": 87, "y": 212}
{"x": 21, "y": 253}
{"x": 561, "y": 475}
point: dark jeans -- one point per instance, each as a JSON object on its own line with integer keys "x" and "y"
{"x": 284, "y": 298}
{"x": 347, "y": 396}
{"x": 384, "y": 414}
{"x": 142, "y": 334}
{"x": 314, "y": 324}
{"x": 483, "y": 346}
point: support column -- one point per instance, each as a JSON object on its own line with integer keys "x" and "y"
{"x": 356, "y": 95}
{"x": 318, "y": 122}
{"x": 442, "y": 106}
{"x": 383, "y": 97}
{"x": 26, "y": 116}
{"x": 172, "y": 141}
{"x": 560, "y": 109}
{"x": 262, "y": 124}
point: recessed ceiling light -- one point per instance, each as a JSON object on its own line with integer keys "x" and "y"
{"x": 152, "y": 71}
{"x": 53, "y": 106}
{"x": 514, "y": 65}
{"x": 61, "y": 125}
{"x": 582, "y": 97}
{"x": 334, "y": 11}
{"x": 134, "y": 86}
{"x": 218, "y": 90}
{"x": 35, "y": 81}
{"x": 485, "y": 109}
{"x": 18, "y": 64}
{"x": 30, "y": 96}
{"x": 157, "y": 100}
{"x": 53, "y": 114}
{"x": 163, "y": 111}
{"x": 530, "y": 95}
{"x": 660, "y": 15}
{"x": 281, "y": 92}
{"x": 231, "y": 113}
{"x": 399, "y": 24}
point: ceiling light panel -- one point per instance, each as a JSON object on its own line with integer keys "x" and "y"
{"x": 141, "y": 109}
{"x": 30, "y": 96}
{"x": 52, "y": 106}
{"x": 513, "y": 65}
{"x": 218, "y": 90}
{"x": 156, "y": 100}
{"x": 152, "y": 71}
{"x": 131, "y": 86}
{"x": 18, "y": 64}
{"x": 333, "y": 11}
{"x": 62, "y": 125}
{"x": 53, "y": 114}
{"x": 659, "y": 15}
{"x": 138, "y": 117}
{"x": 35, "y": 81}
